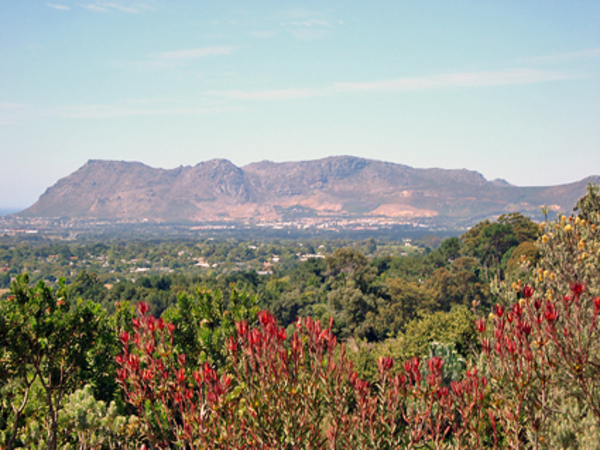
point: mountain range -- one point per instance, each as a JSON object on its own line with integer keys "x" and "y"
{"x": 341, "y": 186}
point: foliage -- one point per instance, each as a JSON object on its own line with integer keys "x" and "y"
{"x": 49, "y": 338}
{"x": 203, "y": 323}
{"x": 422, "y": 365}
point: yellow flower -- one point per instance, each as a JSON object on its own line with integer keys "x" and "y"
{"x": 515, "y": 286}
{"x": 545, "y": 239}
{"x": 542, "y": 225}
{"x": 522, "y": 302}
{"x": 553, "y": 276}
{"x": 581, "y": 244}
{"x": 568, "y": 228}
{"x": 546, "y": 273}
{"x": 584, "y": 255}
{"x": 577, "y": 220}
{"x": 492, "y": 316}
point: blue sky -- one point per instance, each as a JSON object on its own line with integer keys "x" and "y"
{"x": 508, "y": 88}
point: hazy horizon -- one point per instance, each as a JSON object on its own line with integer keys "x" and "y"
{"x": 507, "y": 89}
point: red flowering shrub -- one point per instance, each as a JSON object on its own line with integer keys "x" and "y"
{"x": 542, "y": 349}
{"x": 304, "y": 394}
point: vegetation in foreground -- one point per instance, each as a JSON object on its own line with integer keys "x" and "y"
{"x": 215, "y": 372}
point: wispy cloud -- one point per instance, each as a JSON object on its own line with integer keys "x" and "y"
{"x": 565, "y": 57}
{"x": 121, "y": 8}
{"x": 61, "y": 7}
{"x": 104, "y": 111}
{"x": 193, "y": 53}
{"x": 11, "y": 113}
{"x": 275, "y": 94}
{"x": 93, "y": 7}
{"x": 406, "y": 84}
{"x": 304, "y": 34}
{"x": 263, "y": 34}
{"x": 104, "y": 6}
{"x": 170, "y": 59}
{"x": 452, "y": 80}
{"x": 307, "y": 25}
{"x": 311, "y": 22}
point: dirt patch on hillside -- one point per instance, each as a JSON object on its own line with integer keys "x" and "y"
{"x": 400, "y": 210}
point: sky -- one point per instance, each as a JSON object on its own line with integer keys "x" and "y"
{"x": 508, "y": 88}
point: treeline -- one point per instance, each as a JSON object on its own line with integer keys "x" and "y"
{"x": 117, "y": 259}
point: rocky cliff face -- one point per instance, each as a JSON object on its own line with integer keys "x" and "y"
{"x": 335, "y": 186}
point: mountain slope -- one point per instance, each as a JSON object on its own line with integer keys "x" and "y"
{"x": 335, "y": 186}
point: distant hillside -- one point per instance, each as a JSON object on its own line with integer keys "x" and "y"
{"x": 330, "y": 187}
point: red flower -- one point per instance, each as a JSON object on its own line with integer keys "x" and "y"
{"x": 577, "y": 288}
{"x": 443, "y": 392}
{"x": 435, "y": 364}
{"x": 511, "y": 346}
{"x": 232, "y": 345}
{"x": 596, "y": 301}
{"x": 143, "y": 308}
{"x": 281, "y": 334}
{"x": 385, "y": 364}
{"x": 527, "y": 291}
{"x": 134, "y": 362}
{"x": 480, "y": 325}
{"x": 150, "y": 348}
{"x": 124, "y": 337}
{"x": 499, "y": 310}
{"x": 242, "y": 327}
{"x": 197, "y": 376}
{"x": 151, "y": 323}
{"x": 551, "y": 314}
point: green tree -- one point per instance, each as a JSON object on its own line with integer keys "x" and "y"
{"x": 588, "y": 206}
{"x": 47, "y": 336}
{"x": 488, "y": 242}
{"x": 204, "y": 321}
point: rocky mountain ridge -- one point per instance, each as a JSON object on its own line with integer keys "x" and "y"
{"x": 341, "y": 186}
